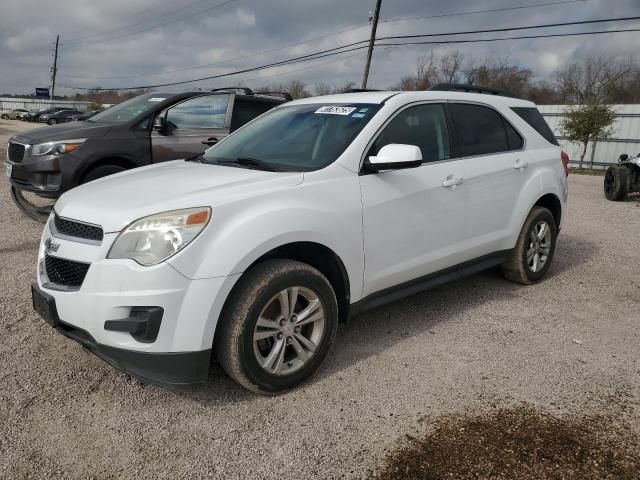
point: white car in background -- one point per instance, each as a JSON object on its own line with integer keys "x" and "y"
{"x": 12, "y": 114}
{"x": 317, "y": 210}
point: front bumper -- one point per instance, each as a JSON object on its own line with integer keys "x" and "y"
{"x": 164, "y": 369}
{"x": 47, "y": 175}
{"x": 112, "y": 290}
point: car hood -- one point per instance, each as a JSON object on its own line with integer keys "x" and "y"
{"x": 115, "y": 201}
{"x": 63, "y": 131}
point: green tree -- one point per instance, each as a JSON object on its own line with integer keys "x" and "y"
{"x": 585, "y": 123}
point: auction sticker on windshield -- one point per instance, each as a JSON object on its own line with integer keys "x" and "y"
{"x": 336, "y": 110}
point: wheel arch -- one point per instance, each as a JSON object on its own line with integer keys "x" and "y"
{"x": 551, "y": 202}
{"x": 322, "y": 258}
{"x": 112, "y": 160}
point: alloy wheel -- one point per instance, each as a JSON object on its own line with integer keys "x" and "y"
{"x": 289, "y": 330}
{"x": 539, "y": 246}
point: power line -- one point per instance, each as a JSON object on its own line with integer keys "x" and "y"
{"x": 149, "y": 19}
{"x": 207, "y": 65}
{"x": 305, "y": 58}
{"x": 200, "y": 12}
{"x": 473, "y": 12}
{"x": 509, "y": 29}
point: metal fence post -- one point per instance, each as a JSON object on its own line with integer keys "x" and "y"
{"x": 593, "y": 152}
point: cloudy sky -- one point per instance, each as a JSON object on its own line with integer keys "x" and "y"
{"x": 121, "y": 43}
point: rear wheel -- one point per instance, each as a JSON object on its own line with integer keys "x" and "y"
{"x": 102, "y": 171}
{"x": 277, "y": 327}
{"x": 616, "y": 183}
{"x": 532, "y": 255}
{"x": 35, "y": 207}
{"x": 5, "y": 116}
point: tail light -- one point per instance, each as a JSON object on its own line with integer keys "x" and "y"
{"x": 565, "y": 162}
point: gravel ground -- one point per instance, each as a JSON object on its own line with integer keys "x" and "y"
{"x": 569, "y": 345}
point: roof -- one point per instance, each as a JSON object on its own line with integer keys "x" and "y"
{"x": 412, "y": 96}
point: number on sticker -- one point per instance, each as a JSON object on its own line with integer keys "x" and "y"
{"x": 336, "y": 110}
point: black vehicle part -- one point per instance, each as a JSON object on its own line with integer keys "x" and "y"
{"x": 36, "y": 211}
{"x": 102, "y": 171}
{"x": 616, "y": 183}
{"x": 459, "y": 87}
{"x": 143, "y": 323}
{"x": 245, "y": 90}
{"x": 286, "y": 95}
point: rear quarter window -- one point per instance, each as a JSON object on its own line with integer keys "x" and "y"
{"x": 534, "y": 118}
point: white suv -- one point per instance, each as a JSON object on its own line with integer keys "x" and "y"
{"x": 317, "y": 210}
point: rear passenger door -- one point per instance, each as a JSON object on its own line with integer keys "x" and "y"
{"x": 193, "y": 125}
{"x": 497, "y": 168}
{"x": 414, "y": 219}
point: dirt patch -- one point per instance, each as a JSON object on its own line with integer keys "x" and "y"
{"x": 518, "y": 443}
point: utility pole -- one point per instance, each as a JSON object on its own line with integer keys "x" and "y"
{"x": 54, "y": 70}
{"x": 374, "y": 27}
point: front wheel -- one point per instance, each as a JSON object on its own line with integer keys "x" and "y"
{"x": 277, "y": 327}
{"x": 616, "y": 183}
{"x": 5, "y": 116}
{"x": 532, "y": 255}
{"x": 51, "y": 121}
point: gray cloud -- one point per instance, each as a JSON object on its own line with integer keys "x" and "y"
{"x": 244, "y": 28}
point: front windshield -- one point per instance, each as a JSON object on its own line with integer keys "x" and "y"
{"x": 129, "y": 109}
{"x": 295, "y": 138}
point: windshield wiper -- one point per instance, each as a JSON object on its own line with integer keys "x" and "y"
{"x": 250, "y": 162}
{"x": 195, "y": 158}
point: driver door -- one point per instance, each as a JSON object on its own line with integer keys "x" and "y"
{"x": 413, "y": 219}
{"x": 191, "y": 127}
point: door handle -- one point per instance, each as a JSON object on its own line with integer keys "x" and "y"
{"x": 450, "y": 181}
{"x": 210, "y": 141}
{"x": 520, "y": 165}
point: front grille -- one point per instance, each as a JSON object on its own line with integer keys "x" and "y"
{"x": 77, "y": 229}
{"x": 15, "y": 152}
{"x": 65, "y": 272}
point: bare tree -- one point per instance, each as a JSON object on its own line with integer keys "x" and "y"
{"x": 451, "y": 68}
{"x": 323, "y": 88}
{"x": 593, "y": 81}
{"x": 500, "y": 73}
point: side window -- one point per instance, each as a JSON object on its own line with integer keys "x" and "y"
{"x": 424, "y": 126}
{"x": 481, "y": 130}
{"x": 201, "y": 112}
{"x": 513, "y": 137}
{"x": 244, "y": 111}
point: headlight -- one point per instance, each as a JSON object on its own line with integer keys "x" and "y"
{"x": 155, "y": 238}
{"x": 56, "y": 148}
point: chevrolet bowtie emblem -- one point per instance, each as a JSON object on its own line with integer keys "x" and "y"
{"x": 50, "y": 246}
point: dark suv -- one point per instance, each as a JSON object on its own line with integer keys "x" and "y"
{"x": 154, "y": 127}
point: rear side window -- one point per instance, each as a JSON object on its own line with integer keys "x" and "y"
{"x": 532, "y": 116}
{"x": 481, "y": 130}
{"x": 244, "y": 111}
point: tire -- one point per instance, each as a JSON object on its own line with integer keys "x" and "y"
{"x": 52, "y": 121}
{"x": 102, "y": 171}
{"x": 518, "y": 267}
{"x": 257, "y": 294}
{"x": 5, "y": 117}
{"x": 616, "y": 183}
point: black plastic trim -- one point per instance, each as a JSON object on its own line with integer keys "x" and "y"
{"x": 171, "y": 369}
{"x": 143, "y": 323}
{"x": 428, "y": 282}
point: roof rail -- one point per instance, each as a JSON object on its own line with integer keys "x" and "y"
{"x": 358, "y": 90}
{"x": 247, "y": 91}
{"x": 459, "y": 87}
{"x": 285, "y": 95}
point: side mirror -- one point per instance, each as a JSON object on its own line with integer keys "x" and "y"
{"x": 161, "y": 125}
{"x": 395, "y": 156}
